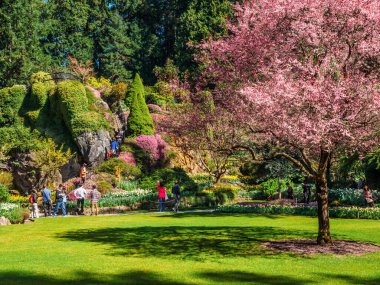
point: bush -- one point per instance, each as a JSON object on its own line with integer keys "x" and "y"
{"x": 154, "y": 146}
{"x": 353, "y": 197}
{"x": 6, "y": 179}
{"x": 11, "y": 101}
{"x": 223, "y": 193}
{"x": 338, "y": 212}
{"x": 87, "y": 122}
{"x": 13, "y": 212}
{"x": 169, "y": 176}
{"x": 72, "y": 99}
{"x": 4, "y": 193}
{"x": 112, "y": 165}
{"x": 20, "y": 139}
{"x": 104, "y": 187}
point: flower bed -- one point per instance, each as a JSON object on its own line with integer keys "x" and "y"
{"x": 125, "y": 198}
{"x": 335, "y": 212}
{"x": 12, "y": 211}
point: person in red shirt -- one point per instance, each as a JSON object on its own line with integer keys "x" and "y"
{"x": 161, "y": 195}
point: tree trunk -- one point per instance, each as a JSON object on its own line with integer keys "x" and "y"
{"x": 324, "y": 237}
{"x": 279, "y": 187}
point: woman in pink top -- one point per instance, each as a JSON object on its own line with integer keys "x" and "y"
{"x": 161, "y": 195}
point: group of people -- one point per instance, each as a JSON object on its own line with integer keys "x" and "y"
{"x": 61, "y": 197}
{"x": 368, "y": 197}
{"x": 162, "y": 196}
{"x": 305, "y": 189}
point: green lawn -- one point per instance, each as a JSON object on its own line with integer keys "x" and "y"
{"x": 178, "y": 249}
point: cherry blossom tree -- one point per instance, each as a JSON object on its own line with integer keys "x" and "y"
{"x": 304, "y": 75}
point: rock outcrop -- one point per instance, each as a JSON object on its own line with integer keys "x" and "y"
{"x": 93, "y": 146}
{"x": 4, "y": 221}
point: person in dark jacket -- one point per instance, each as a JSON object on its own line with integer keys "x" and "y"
{"x": 35, "y": 212}
{"x": 289, "y": 190}
{"x": 177, "y": 196}
{"x": 59, "y": 195}
{"x": 306, "y": 193}
{"x": 46, "y": 201}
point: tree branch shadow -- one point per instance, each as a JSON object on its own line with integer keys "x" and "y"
{"x": 191, "y": 242}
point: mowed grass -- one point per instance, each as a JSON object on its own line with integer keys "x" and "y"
{"x": 188, "y": 248}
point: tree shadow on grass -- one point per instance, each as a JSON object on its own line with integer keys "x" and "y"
{"x": 83, "y": 278}
{"x": 218, "y": 215}
{"x": 185, "y": 242}
{"x": 349, "y": 279}
{"x": 242, "y": 277}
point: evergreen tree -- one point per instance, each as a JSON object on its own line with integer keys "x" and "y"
{"x": 202, "y": 19}
{"x": 67, "y": 30}
{"x": 20, "y": 51}
{"x": 139, "y": 121}
{"x": 116, "y": 48}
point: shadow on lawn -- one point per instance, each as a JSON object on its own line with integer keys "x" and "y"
{"x": 218, "y": 215}
{"x": 185, "y": 242}
{"x": 252, "y": 278}
{"x": 146, "y": 277}
{"x": 83, "y": 278}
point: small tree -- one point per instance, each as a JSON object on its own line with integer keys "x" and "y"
{"x": 82, "y": 70}
{"x": 139, "y": 121}
{"x": 49, "y": 159}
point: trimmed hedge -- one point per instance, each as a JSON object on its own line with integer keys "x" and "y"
{"x": 73, "y": 106}
{"x": 11, "y": 101}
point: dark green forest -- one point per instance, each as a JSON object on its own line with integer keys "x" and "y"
{"x": 117, "y": 38}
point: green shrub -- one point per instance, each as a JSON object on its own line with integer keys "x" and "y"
{"x": 139, "y": 121}
{"x": 6, "y": 179}
{"x": 4, "y": 193}
{"x": 11, "y": 101}
{"x": 353, "y": 197}
{"x": 20, "y": 139}
{"x": 88, "y": 121}
{"x": 72, "y": 99}
{"x": 104, "y": 187}
{"x": 337, "y": 212}
{"x": 127, "y": 170}
{"x": 39, "y": 94}
{"x": 169, "y": 176}
{"x": 73, "y": 106}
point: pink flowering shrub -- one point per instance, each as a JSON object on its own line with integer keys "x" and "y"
{"x": 128, "y": 158}
{"x": 154, "y": 146}
{"x": 154, "y": 108}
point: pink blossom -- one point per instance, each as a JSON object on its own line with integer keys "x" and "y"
{"x": 154, "y": 146}
{"x": 128, "y": 158}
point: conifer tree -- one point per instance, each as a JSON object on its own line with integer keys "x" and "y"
{"x": 139, "y": 122}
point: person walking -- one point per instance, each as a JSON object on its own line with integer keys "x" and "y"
{"x": 289, "y": 190}
{"x": 114, "y": 147}
{"x": 161, "y": 195}
{"x": 64, "y": 197}
{"x": 80, "y": 194}
{"x": 176, "y": 190}
{"x": 46, "y": 201}
{"x": 33, "y": 200}
{"x": 83, "y": 173}
{"x": 306, "y": 193}
{"x": 94, "y": 198}
{"x": 370, "y": 202}
{"x": 59, "y": 201}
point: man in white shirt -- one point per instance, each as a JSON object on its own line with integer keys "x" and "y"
{"x": 80, "y": 194}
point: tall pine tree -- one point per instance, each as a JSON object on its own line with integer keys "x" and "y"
{"x": 20, "y": 50}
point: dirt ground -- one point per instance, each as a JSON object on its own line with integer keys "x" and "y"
{"x": 310, "y": 247}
